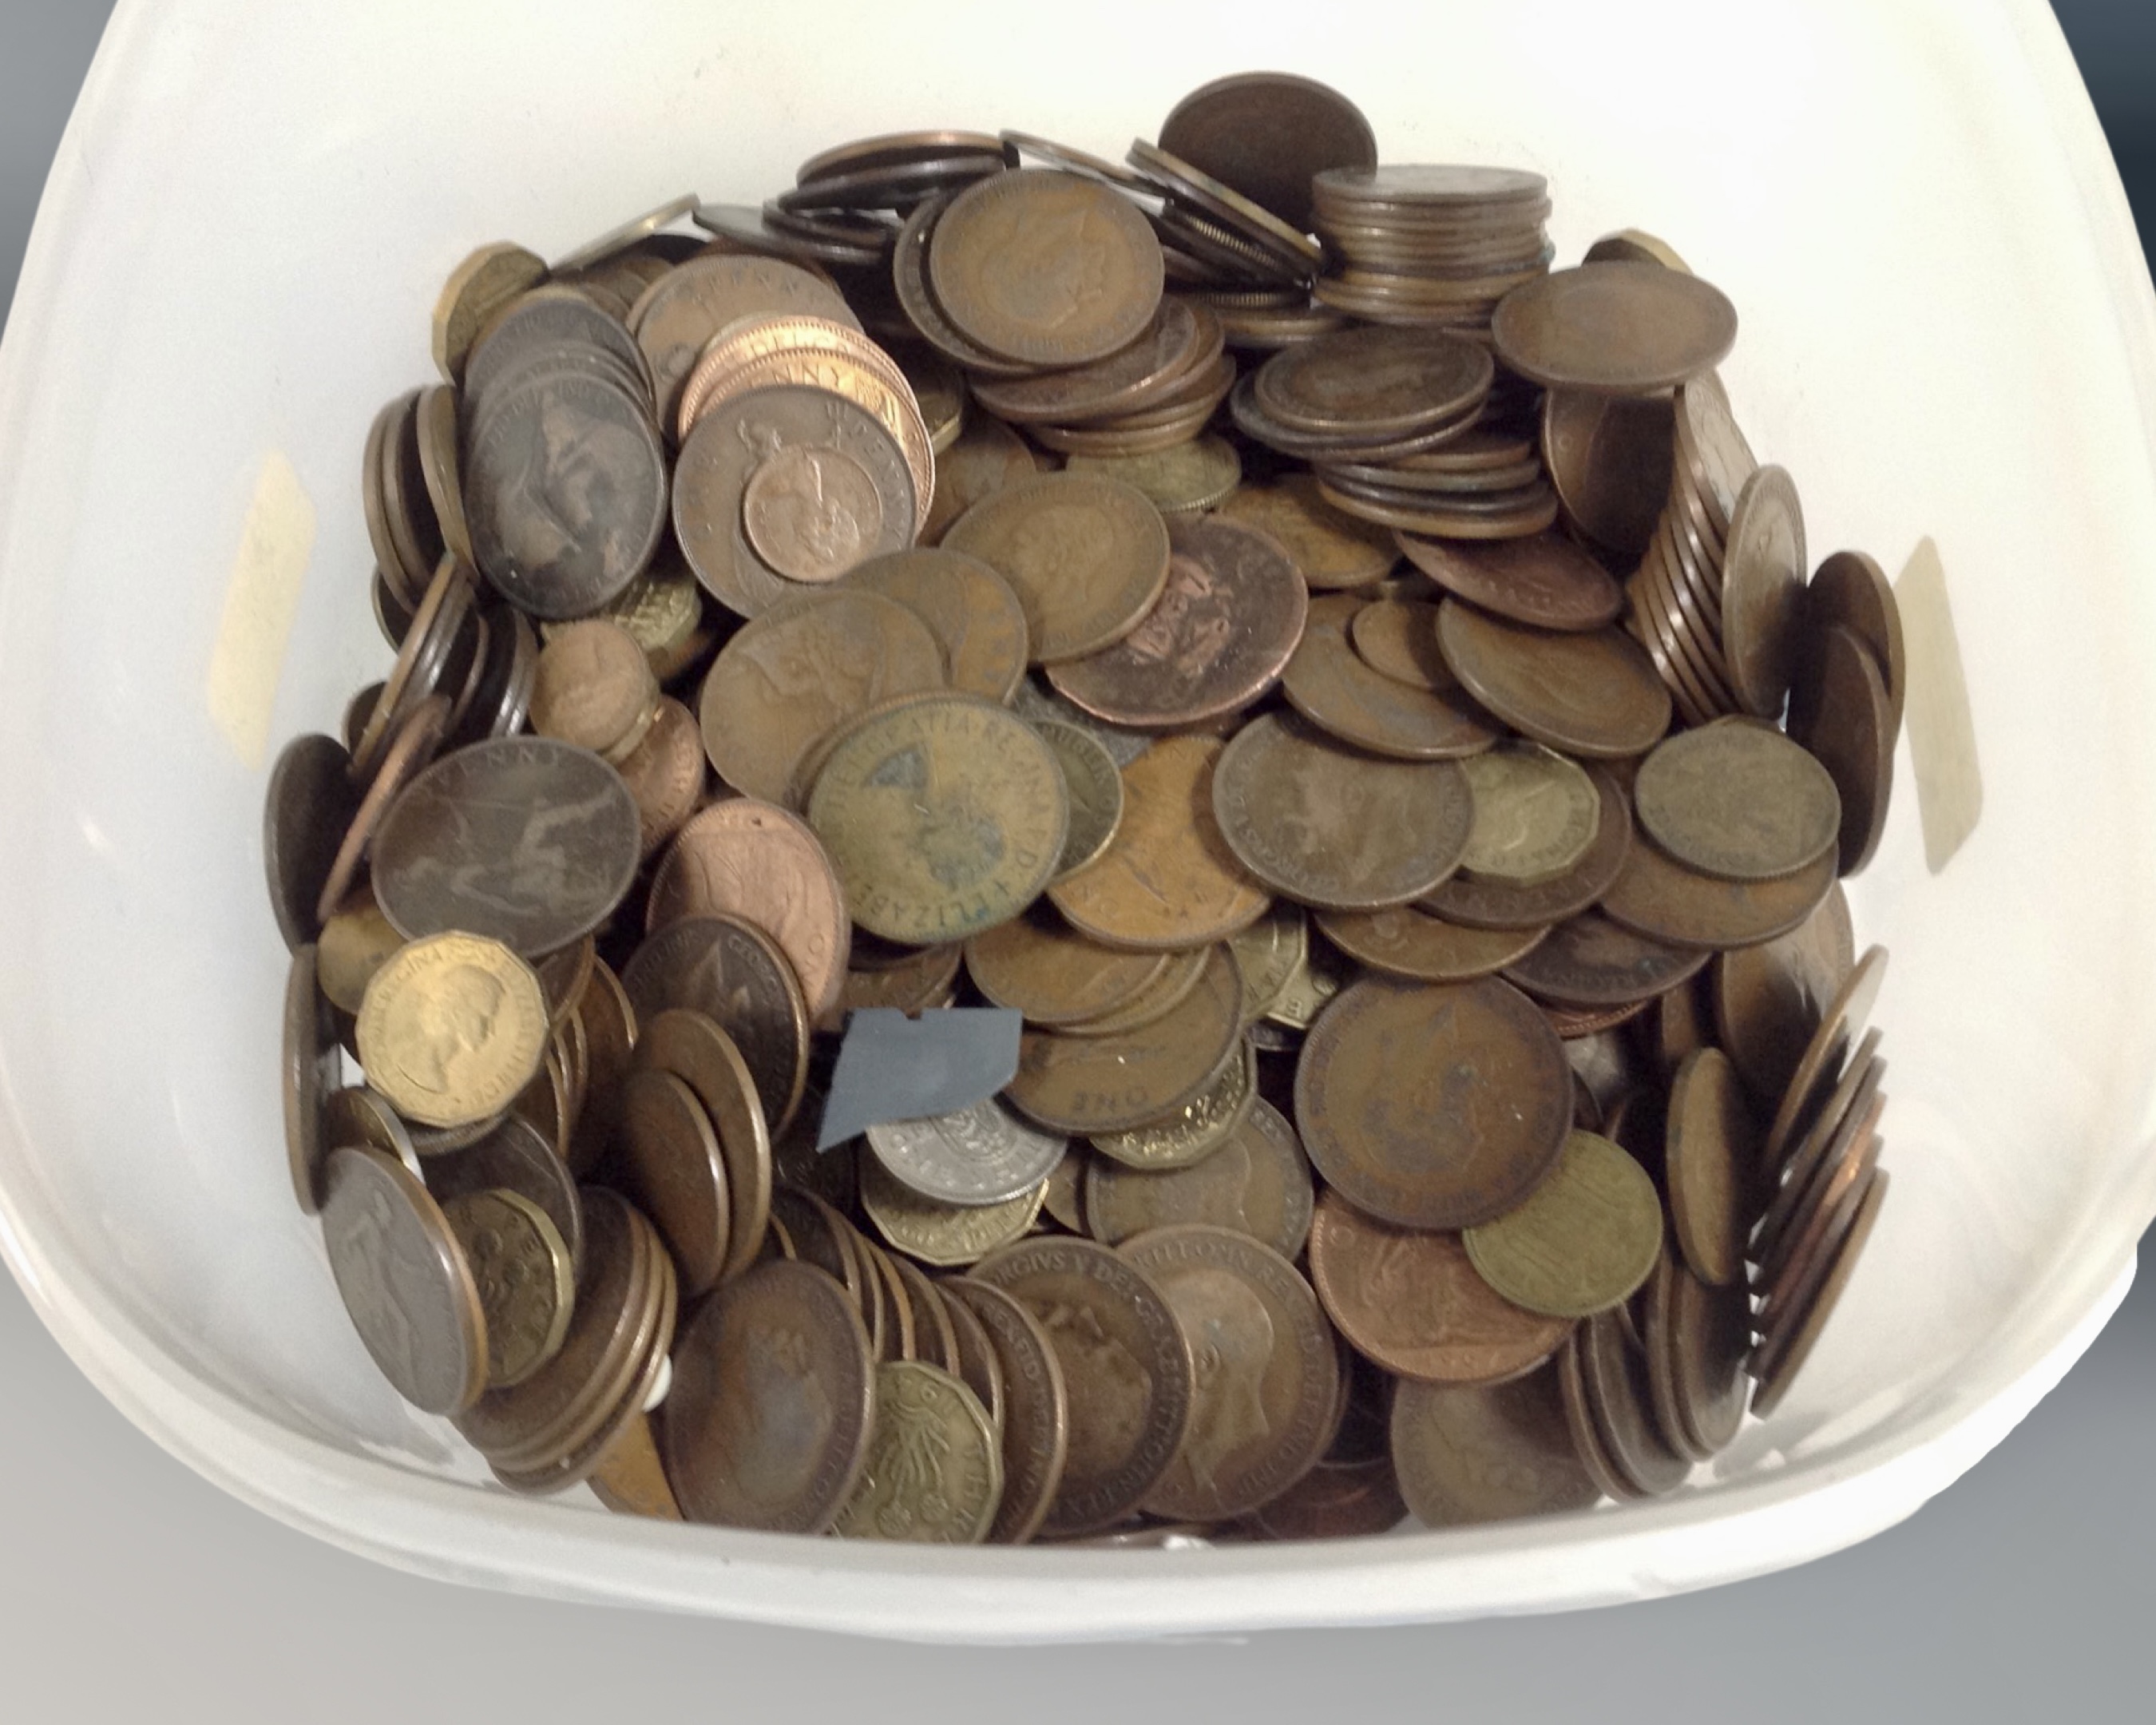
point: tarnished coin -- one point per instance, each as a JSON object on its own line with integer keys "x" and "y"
{"x": 1046, "y": 268}
{"x": 515, "y": 1156}
{"x": 1768, "y": 998}
{"x": 1843, "y": 713}
{"x": 477, "y": 288}
{"x": 1036, "y": 1420}
{"x": 1333, "y": 827}
{"x": 593, "y": 688}
{"x": 1087, "y": 558}
{"x": 1614, "y": 328}
{"x": 1126, "y": 1367}
{"x": 355, "y": 1114}
{"x": 668, "y": 1161}
{"x": 1612, "y": 459}
{"x": 1398, "y": 637}
{"x": 1699, "y": 1336}
{"x": 452, "y": 1028}
{"x": 1257, "y": 1183}
{"x": 526, "y": 1284}
{"x": 522, "y": 839}
{"x": 1167, "y": 879}
{"x": 1373, "y": 384}
{"x": 948, "y": 1235}
{"x": 311, "y": 803}
{"x": 1267, "y": 134}
{"x": 1851, "y": 590}
{"x": 1738, "y": 800}
{"x": 970, "y": 609}
{"x": 1582, "y": 1241}
{"x": 1266, "y": 1374}
{"x": 1499, "y": 905}
{"x": 1037, "y": 964}
{"x": 1106, "y": 1084}
{"x": 736, "y": 976}
{"x": 1712, "y": 1165}
{"x": 934, "y": 1471}
{"x": 665, "y": 774}
{"x": 1467, "y": 1454}
{"x": 1825, "y": 1056}
{"x": 1179, "y": 973}
{"x": 312, "y": 1065}
{"x": 1594, "y": 693}
{"x": 620, "y": 237}
{"x": 1544, "y": 581}
{"x": 1268, "y": 954}
{"x": 1330, "y": 547}
{"x": 988, "y": 456}
{"x": 1776, "y": 1363}
{"x": 1419, "y": 946}
{"x": 1193, "y": 1132}
{"x": 1666, "y": 902}
{"x": 1180, "y": 339}
{"x": 1094, "y": 785}
{"x": 1330, "y": 685}
{"x": 1588, "y": 961}
{"x": 979, "y": 1155}
{"x": 1762, "y": 591}
{"x": 404, "y": 1280}
{"x": 769, "y": 1421}
{"x": 788, "y": 680}
{"x": 1621, "y": 1402}
{"x": 1410, "y": 1301}
{"x": 1432, "y": 1107}
{"x": 744, "y": 858}
{"x": 677, "y": 315}
{"x": 942, "y": 816}
{"x": 1182, "y": 479}
{"x": 1350, "y": 1500}
{"x": 1536, "y": 816}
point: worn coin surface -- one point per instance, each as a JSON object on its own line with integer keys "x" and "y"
{"x": 1587, "y": 961}
{"x": 1845, "y": 717}
{"x": 667, "y": 1159}
{"x": 525, "y": 1280}
{"x": 1762, "y": 591}
{"x": 1768, "y": 998}
{"x": 979, "y": 1155}
{"x": 477, "y": 288}
{"x": 1499, "y": 904}
{"x": 942, "y": 816}
{"x": 988, "y": 456}
{"x": 678, "y": 315}
{"x": 934, "y": 1471}
{"x": 1086, "y": 557}
{"x": 1036, "y": 1420}
{"x": 970, "y": 609}
{"x": 665, "y": 773}
{"x": 1704, "y": 1333}
{"x": 1169, "y": 879}
{"x": 1180, "y": 338}
{"x": 1331, "y": 547}
{"x": 1582, "y": 1241}
{"x": 1544, "y": 581}
{"x": 1712, "y": 1165}
{"x": 1611, "y": 458}
{"x": 1257, "y": 1183}
{"x": 1536, "y": 814}
{"x": 948, "y": 1235}
{"x": 1851, "y": 590}
{"x": 1402, "y": 941}
{"x": 1466, "y": 1454}
{"x": 1738, "y": 800}
{"x": 1619, "y": 1400}
{"x": 1094, "y": 784}
{"x": 1193, "y": 1132}
{"x": 1398, "y": 637}
{"x": 1037, "y": 964}
{"x": 735, "y": 975}
{"x": 1181, "y": 479}
{"x": 529, "y": 841}
{"x": 1265, "y": 1373}
{"x": 1330, "y": 685}
{"x": 593, "y": 686}
{"x": 1266, "y": 134}
{"x": 404, "y": 1280}
{"x": 312, "y": 1065}
{"x": 1666, "y": 902}
{"x": 310, "y": 802}
{"x": 1775, "y": 1365}
{"x": 1592, "y": 693}
{"x": 1615, "y": 328}
{"x": 1126, "y": 1366}
{"x": 1268, "y": 954}
{"x": 1375, "y": 383}
{"x": 1432, "y": 1106}
{"x": 1336, "y": 828}
{"x": 515, "y": 1156}
{"x": 452, "y": 1028}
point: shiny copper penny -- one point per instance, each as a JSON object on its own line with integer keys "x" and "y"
{"x": 1496, "y": 904}
{"x": 1768, "y": 998}
{"x": 1257, "y": 1183}
{"x": 1593, "y": 694}
{"x": 1431, "y": 1107}
{"x": 1039, "y": 965}
{"x": 1614, "y": 328}
{"x": 1589, "y": 962}
{"x": 1330, "y": 685}
{"x": 1611, "y": 458}
{"x": 1410, "y": 1300}
{"x": 1712, "y": 1165}
{"x": 1843, "y": 715}
{"x": 1544, "y": 581}
{"x": 971, "y": 609}
{"x": 1419, "y": 946}
{"x": 1663, "y": 900}
{"x": 1466, "y": 1454}
{"x": 735, "y": 975}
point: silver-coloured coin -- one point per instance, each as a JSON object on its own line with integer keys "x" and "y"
{"x": 981, "y": 1155}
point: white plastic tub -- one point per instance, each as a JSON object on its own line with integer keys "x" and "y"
{"x": 1947, "y": 330}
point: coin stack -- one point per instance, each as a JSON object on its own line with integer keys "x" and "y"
{"x": 1445, "y": 1087}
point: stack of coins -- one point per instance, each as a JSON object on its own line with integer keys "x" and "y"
{"x": 1445, "y": 1086}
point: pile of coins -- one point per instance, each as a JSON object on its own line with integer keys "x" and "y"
{"x": 1445, "y": 1085}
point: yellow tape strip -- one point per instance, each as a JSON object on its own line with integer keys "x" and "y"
{"x": 260, "y": 600}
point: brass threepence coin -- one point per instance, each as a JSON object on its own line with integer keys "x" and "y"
{"x": 947, "y": 1235}
{"x": 1614, "y": 328}
{"x": 942, "y": 816}
{"x": 1094, "y": 784}
{"x": 1738, "y": 800}
{"x": 1036, "y": 1418}
{"x": 452, "y": 1028}
{"x": 478, "y": 289}
{"x": 1256, "y": 1182}
{"x": 1592, "y": 693}
{"x": 1336, "y": 828}
{"x": 1536, "y": 816}
{"x": 979, "y": 1155}
{"x": 1331, "y": 547}
{"x": 934, "y": 1471}
{"x": 733, "y": 973}
{"x": 969, "y": 607}
{"x": 1124, "y": 1364}
{"x": 1432, "y": 1107}
{"x": 1467, "y": 1454}
{"x": 1711, "y": 1167}
{"x": 514, "y": 1157}
{"x": 1037, "y": 964}
{"x": 1499, "y": 905}
{"x": 526, "y": 1284}
{"x": 1582, "y": 1241}
{"x": 1191, "y": 1133}
{"x": 1330, "y": 685}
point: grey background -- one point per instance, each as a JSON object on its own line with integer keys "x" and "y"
{"x": 130, "y": 1587}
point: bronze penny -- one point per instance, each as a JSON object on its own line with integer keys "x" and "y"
{"x": 1589, "y": 962}
{"x": 1224, "y": 624}
{"x": 791, "y": 677}
{"x": 664, "y": 774}
{"x": 734, "y": 974}
{"x": 1037, "y": 965}
{"x": 1179, "y": 973}
{"x": 1620, "y": 1401}
{"x": 1398, "y": 637}
{"x": 924, "y": 981}
{"x": 1502, "y": 904}
{"x": 746, "y": 859}
{"x": 678, "y": 315}
{"x": 358, "y": 1115}
{"x": 1843, "y": 715}
{"x": 1768, "y": 998}
{"x": 1614, "y": 328}
{"x": 1841, "y": 1134}
{"x": 1430, "y": 1106}
{"x": 404, "y": 1280}
{"x": 1712, "y": 1165}
{"x": 312, "y": 1067}
{"x": 1583, "y": 1424}
{"x": 1514, "y": 515}
{"x": 1592, "y": 693}
{"x": 1330, "y": 686}
{"x": 821, "y": 1236}
{"x": 1167, "y": 879}
{"x": 1264, "y": 1375}
{"x": 1344, "y": 1502}
{"x": 1063, "y": 1195}
{"x": 1106, "y": 1084}
{"x": 1666, "y": 902}
{"x": 1176, "y": 342}
{"x": 1124, "y": 1364}
{"x": 1637, "y": 245}
{"x": 1738, "y": 800}
{"x": 1373, "y": 384}
{"x": 1036, "y": 1422}
{"x": 1713, "y": 459}
{"x": 1257, "y": 1183}
{"x": 1467, "y": 1454}
{"x": 977, "y": 1366}
{"x": 1776, "y": 1364}
{"x": 1094, "y": 784}
{"x": 668, "y": 1162}
{"x": 1087, "y": 558}
{"x": 1582, "y": 1241}
{"x": 311, "y": 803}
{"x": 1195, "y": 200}
{"x": 516, "y": 1156}
{"x": 410, "y": 749}
{"x": 1421, "y": 946}
{"x": 594, "y": 687}
{"x": 988, "y": 456}
{"x": 1824, "y": 1057}
{"x": 1333, "y": 827}
{"x": 1191, "y": 1133}
{"x": 1762, "y": 591}
{"x": 1544, "y": 581}
{"x": 769, "y": 1419}
{"x": 970, "y": 609}
{"x": 1410, "y": 1301}
{"x": 1851, "y": 590}
{"x": 1045, "y": 268}
{"x": 1699, "y": 1337}
{"x": 527, "y": 1283}
{"x": 1612, "y": 459}
{"x": 1330, "y": 547}
{"x": 936, "y": 1337}
{"x": 1266, "y": 134}
{"x": 630, "y": 1478}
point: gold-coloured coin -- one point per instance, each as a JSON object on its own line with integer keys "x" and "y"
{"x": 1193, "y": 475}
{"x": 526, "y": 1284}
{"x": 452, "y": 1028}
{"x": 1197, "y": 1129}
{"x": 948, "y": 1235}
{"x": 1536, "y": 814}
{"x": 477, "y": 288}
{"x": 355, "y": 943}
{"x": 935, "y": 1470}
{"x": 1585, "y": 1239}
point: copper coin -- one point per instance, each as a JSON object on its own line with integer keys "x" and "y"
{"x": 1266, "y": 1377}
{"x": 1763, "y": 590}
{"x": 1612, "y": 459}
{"x": 631, "y": 1480}
{"x": 1037, "y": 965}
{"x": 821, "y": 1236}
{"x": 593, "y": 686}
{"x": 978, "y": 1367}
{"x": 1176, "y": 342}
{"x": 1036, "y": 1420}
{"x": 1843, "y": 715}
{"x": 1087, "y": 558}
{"x": 1738, "y": 800}
{"x": 1768, "y": 998}
{"x": 1167, "y": 879}
{"x": 1191, "y": 1133}
{"x": 1587, "y": 961}
{"x": 1712, "y": 1165}
{"x": 1821, "y": 1065}
{"x": 1373, "y": 384}
{"x": 924, "y": 981}
{"x": 1331, "y": 548}
{"x": 514, "y": 1155}
{"x": 1592, "y": 693}
{"x": 1266, "y": 134}
{"x": 924, "y": 312}
{"x": 769, "y": 1421}
{"x": 670, "y": 1164}
{"x": 1467, "y": 1454}
{"x": 477, "y": 288}
{"x": 1431, "y": 1107}
{"x": 1666, "y": 902}
{"x": 1179, "y": 975}
{"x": 1583, "y": 1424}
{"x": 1701, "y": 1335}
{"x": 312, "y": 1067}
{"x": 1330, "y": 1502}
{"x": 679, "y": 314}
{"x": 1225, "y": 623}
{"x": 409, "y": 751}
{"x": 1834, "y": 1134}
{"x": 1621, "y": 1402}
{"x": 1851, "y": 590}
{"x": 1544, "y": 581}
{"x": 1334, "y": 827}
{"x": 735, "y": 975}
{"x": 664, "y": 774}
{"x": 1501, "y": 905}
{"x": 970, "y": 609}
{"x": 1124, "y": 1364}
{"x": 310, "y": 802}
{"x": 1398, "y": 637}
{"x": 1776, "y": 1365}
{"x": 1421, "y": 946}
{"x": 1329, "y": 684}
{"x": 1410, "y": 1300}
{"x": 529, "y": 841}
{"x": 988, "y": 456}
{"x": 1614, "y": 328}
{"x": 1257, "y": 1183}
{"x": 1712, "y": 453}
{"x": 1106, "y": 1084}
